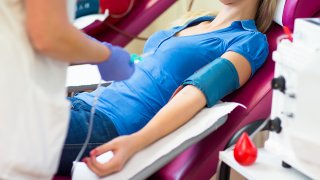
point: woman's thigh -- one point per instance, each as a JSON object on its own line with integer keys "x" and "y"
{"x": 103, "y": 131}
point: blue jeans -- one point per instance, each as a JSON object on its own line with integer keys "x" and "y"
{"x": 103, "y": 131}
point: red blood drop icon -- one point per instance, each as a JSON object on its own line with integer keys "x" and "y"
{"x": 245, "y": 152}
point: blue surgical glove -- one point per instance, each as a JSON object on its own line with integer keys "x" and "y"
{"x": 118, "y": 66}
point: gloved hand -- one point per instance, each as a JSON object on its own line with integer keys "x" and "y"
{"x": 118, "y": 66}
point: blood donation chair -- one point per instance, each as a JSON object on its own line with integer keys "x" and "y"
{"x": 201, "y": 159}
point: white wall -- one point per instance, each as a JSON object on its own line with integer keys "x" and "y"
{"x": 173, "y": 13}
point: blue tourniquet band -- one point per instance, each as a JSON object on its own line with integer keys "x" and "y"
{"x": 216, "y": 80}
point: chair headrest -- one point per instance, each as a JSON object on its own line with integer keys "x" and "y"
{"x": 288, "y": 10}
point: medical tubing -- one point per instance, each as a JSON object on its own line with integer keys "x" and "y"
{"x": 118, "y": 16}
{"x": 92, "y": 112}
{"x": 190, "y": 5}
{"x": 124, "y": 33}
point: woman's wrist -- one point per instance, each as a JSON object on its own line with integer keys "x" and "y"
{"x": 140, "y": 141}
{"x": 144, "y": 138}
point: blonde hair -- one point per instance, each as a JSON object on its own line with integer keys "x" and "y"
{"x": 265, "y": 13}
{"x": 264, "y": 16}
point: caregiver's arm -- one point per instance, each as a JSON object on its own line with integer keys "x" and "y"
{"x": 53, "y": 35}
{"x": 182, "y": 107}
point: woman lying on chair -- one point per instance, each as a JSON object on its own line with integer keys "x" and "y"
{"x": 210, "y": 58}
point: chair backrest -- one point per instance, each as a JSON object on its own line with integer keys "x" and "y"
{"x": 288, "y": 10}
{"x": 200, "y": 160}
{"x": 142, "y": 15}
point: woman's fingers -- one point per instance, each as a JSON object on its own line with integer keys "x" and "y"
{"x": 109, "y": 167}
{"x": 102, "y": 149}
{"x": 91, "y": 166}
{"x": 122, "y": 152}
{"x": 102, "y": 167}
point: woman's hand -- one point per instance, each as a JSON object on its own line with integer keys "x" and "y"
{"x": 123, "y": 148}
{"x": 175, "y": 113}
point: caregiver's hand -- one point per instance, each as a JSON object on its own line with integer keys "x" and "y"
{"x": 118, "y": 66}
{"x": 123, "y": 148}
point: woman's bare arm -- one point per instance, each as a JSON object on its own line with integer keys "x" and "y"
{"x": 187, "y": 103}
{"x": 53, "y": 35}
{"x": 182, "y": 107}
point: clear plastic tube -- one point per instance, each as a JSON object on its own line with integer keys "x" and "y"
{"x": 90, "y": 127}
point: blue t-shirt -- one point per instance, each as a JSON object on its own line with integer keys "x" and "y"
{"x": 168, "y": 61}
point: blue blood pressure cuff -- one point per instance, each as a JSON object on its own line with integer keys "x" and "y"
{"x": 216, "y": 80}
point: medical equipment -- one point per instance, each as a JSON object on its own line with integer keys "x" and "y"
{"x": 287, "y": 11}
{"x": 306, "y": 33}
{"x": 85, "y": 21}
{"x": 224, "y": 79}
{"x": 296, "y": 99}
{"x": 90, "y": 127}
{"x": 135, "y": 58}
{"x": 108, "y": 12}
{"x": 118, "y": 9}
